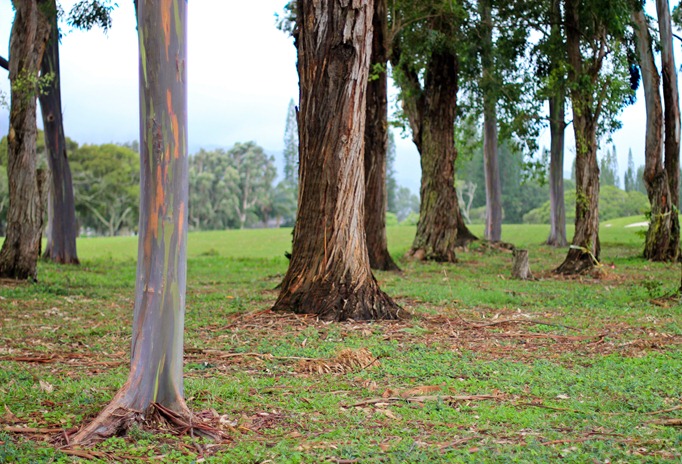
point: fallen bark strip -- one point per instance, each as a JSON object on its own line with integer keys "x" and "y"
{"x": 473, "y": 325}
{"x": 553, "y": 408}
{"x": 667, "y": 422}
{"x": 663, "y": 411}
{"x": 570, "y": 338}
{"x": 15, "y": 429}
{"x": 423, "y": 399}
{"x": 458, "y": 442}
{"x": 97, "y": 455}
{"x": 224, "y": 354}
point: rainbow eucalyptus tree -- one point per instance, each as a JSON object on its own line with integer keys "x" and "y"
{"x": 599, "y": 84}
{"x": 329, "y": 273}
{"x": 157, "y": 344}
{"x": 30, "y": 33}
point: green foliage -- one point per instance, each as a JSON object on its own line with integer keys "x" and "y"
{"x": 106, "y": 184}
{"x": 608, "y": 169}
{"x": 406, "y": 203}
{"x": 613, "y": 203}
{"x": 629, "y": 178}
{"x": 86, "y": 14}
{"x": 233, "y": 188}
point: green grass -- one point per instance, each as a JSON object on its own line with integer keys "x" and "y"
{"x": 574, "y": 375}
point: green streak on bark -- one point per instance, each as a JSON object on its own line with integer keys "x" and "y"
{"x": 143, "y": 55}
{"x": 178, "y": 23}
{"x": 159, "y": 367}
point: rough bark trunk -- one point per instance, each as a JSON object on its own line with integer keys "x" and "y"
{"x": 157, "y": 344}
{"x": 21, "y": 248}
{"x": 585, "y": 249}
{"x": 61, "y": 223}
{"x": 441, "y": 228}
{"x": 557, "y": 128}
{"x": 376, "y": 147}
{"x": 493, "y": 186}
{"x": 329, "y": 273}
{"x": 672, "y": 102}
{"x": 520, "y": 266}
{"x": 662, "y": 239}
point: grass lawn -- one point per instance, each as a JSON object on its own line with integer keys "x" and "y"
{"x": 489, "y": 369}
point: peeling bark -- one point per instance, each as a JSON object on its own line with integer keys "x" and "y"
{"x": 329, "y": 273}
{"x": 376, "y": 147}
{"x": 21, "y": 248}
{"x": 158, "y": 321}
{"x": 62, "y": 228}
{"x": 662, "y": 239}
{"x": 431, "y": 112}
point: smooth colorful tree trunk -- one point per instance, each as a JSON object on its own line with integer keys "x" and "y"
{"x": 62, "y": 228}
{"x": 158, "y": 321}
{"x": 376, "y": 146}
{"x": 493, "y": 185}
{"x": 557, "y": 129}
{"x": 329, "y": 273}
{"x": 21, "y": 248}
{"x": 585, "y": 248}
{"x": 662, "y": 239}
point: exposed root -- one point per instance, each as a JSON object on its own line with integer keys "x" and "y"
{"x": 346, "y": 361}
{"x": 577, "y": 262}
{"x": 116, "y": 420}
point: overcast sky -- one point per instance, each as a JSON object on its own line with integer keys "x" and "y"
{"x": 242, "y": 75}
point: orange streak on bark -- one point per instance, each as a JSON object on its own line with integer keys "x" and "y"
{"x": 181, "y": 219}
{"x": 174, "y": 124}
{"x": 166, "y": 8}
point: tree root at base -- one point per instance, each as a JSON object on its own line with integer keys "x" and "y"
{"x": 116, "y": 420}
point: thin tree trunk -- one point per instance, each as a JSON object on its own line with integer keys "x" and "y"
{"x": 376, "y": 147}
{"x": 557, "y": 233}
{"x": 329, "y": 273}
{"x": 662, "y": 239}
{"x": 557, "y": 128}
{"x": 585, "y": 249}
{"x": 672, "y": 102}
{"x": 21, "y": 248}
{"x": 157, "y": 344}
{"x": 493, "y": 185}
{"x": 61, "y": 224}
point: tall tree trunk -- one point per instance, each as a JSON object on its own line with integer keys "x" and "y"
{"x": 662, "y": 239}
{"x": 557, "y": 124}
{"x": 672, "y": 102}
{"x": 21, "y": 248}
{"x": 557, "y": 128}
{"x": 493, "y": 186}
{"x": 329, "y": 273}
{"x": 376, "y": 147}
{"x": 432, "y": 113}
{"x": 61, "y": 224}
{"x": 157, "y": 344}
{"x": 585, "y": 249}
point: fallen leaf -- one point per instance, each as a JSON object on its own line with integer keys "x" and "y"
{"x": 46, "y": 387}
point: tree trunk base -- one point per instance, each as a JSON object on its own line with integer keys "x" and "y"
{"x": 663, "y": 238}
{"x": 340, "y": 303}
{"x": 382, "y": 261}
{"x": 464, "y": 236}
{"x": 117, "y": 418}
{"x": 420, "y": 254}
{"x": 557, "y": 242}
{"x": 577, "y": 262}
{"x": 59, "y": 259}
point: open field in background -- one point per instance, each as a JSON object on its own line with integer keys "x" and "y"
{"x": 488, "y": 370}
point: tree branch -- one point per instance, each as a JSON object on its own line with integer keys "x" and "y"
{"x": 4, "y": 63}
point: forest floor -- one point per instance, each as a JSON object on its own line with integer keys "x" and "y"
{"x": 488, "y": 369}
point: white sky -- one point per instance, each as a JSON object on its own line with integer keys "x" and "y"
{"x": 242, "y": 75}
